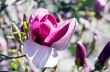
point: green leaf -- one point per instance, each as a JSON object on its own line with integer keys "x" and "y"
{"x": 72, "y": 49}
{"x": 13, "y": 66}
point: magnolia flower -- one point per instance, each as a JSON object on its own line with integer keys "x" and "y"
{"x": 103, "y": 57}
{"x": 46, "y": 37}
{"x": 81, "y": 59}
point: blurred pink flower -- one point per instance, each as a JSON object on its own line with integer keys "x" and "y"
{"x": 3, "y": 50}
{"x": 97, "y": 35}
{"x": 85, "y": 22}
{"x": 46, "y": 36}
{"x": 100, "y": 5}
{"x": 19, "y": 10}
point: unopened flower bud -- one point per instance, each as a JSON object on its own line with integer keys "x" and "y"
{"x": 16, "y": 33}
{"x": 24, "y": 26}
{"x": 27, "y": 69}
{"x": 103, "y": 58}
{"x": 80, "y": 54}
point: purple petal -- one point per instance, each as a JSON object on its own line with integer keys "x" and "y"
{"x": 62, "y": 43}
{"x": 41, "y": 56}
{"x": 30, "y": 19}
{"x": 105, "y": 54}
{"x": 51, "y": 18}
{"x": 44, "y": 31}
{"x": 40, "y": 31}
{"x": 21, "y": 27}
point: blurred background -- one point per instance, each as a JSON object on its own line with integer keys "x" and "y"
{"x": 93, "y": 30}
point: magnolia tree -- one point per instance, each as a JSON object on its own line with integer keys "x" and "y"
{"x": 37, "y": 41}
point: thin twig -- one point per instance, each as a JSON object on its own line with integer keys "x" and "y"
{"x": 4, "y": 57}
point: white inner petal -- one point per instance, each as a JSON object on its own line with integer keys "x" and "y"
{"x": 52, "y": 60}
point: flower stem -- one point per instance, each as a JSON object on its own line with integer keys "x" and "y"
{"x": 43, "y": 70}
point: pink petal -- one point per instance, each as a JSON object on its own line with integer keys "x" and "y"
{"x": 51, "y": 18}
{"x": 64, "y": 41}
{"x": 40, "y": 31}
{"x": 44, "y": 18}
{"x": 44, "y": 31}
{"x": 41, "y": 12}
{"x": 40, "y": 55}
{"x": 34, "y": 31}
{"x": 55, "y": 36}
{"x": 35, "y": 25}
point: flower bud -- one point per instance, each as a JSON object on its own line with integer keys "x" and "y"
{"x": 24, "y": 26}
{"x": 16, "y": 33}
{"x": 27, "y": 69}
{"x": 103, "y": 58}
{"x": 97, "y": 35}
{"x": 80, "y": 54}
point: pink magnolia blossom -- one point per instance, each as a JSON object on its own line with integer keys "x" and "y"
{"x": 100, "y": 5}
{"x": 46, "y": 37}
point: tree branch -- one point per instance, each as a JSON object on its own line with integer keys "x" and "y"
{"x": 5, "y": 57}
